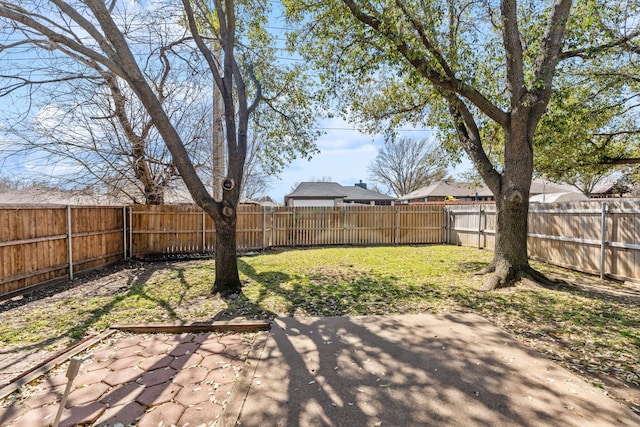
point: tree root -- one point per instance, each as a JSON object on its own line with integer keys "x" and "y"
{"x": 488, "y": 269}
{"x": 227, "y": 292}
{"x": 505, "y": 276}
{"x": 539, "y": 278}
{"x": 231, "y": 295}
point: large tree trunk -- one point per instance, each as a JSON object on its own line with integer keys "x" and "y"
{"x": 510, "y": 260}
{"x": 227, "y": 280}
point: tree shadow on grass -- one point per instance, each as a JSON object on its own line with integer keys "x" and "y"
{"x": 87, "y": 319}
{"x": 336, "y": 292}
{"x": 563, "y": 280}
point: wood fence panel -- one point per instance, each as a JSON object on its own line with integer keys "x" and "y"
{"x": 419, "y": 224}
{"x": 34, "y": 245}
{"x": 304, "y": 233}
{"x": 97, "y": 235}
{"x": 250, "y": 227}
{"x": 366, "y": 225}
{"x": 351, "y": 227}
{"x": 166, "y": 229}
{"x": 623, "y": 225}
{"x": 566, "y": 234}
{"x": 209, "y": 241}
{"x": 333, "y": 226}
{"x": 318, "y": 226}
{"x": 383, "y": 222}
{"x": 282, "y": 226}
{"x": 465, "y": 223}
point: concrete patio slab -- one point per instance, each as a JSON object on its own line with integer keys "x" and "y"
{"x": 427, "y": 370}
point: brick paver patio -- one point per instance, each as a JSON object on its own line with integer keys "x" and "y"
{"x": 138, "y": 379}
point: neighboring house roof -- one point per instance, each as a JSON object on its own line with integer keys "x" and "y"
{"x": 333, "y": 190}
{"x": 543, "y": 186}
{"x": 358, "y": 193}
{"x": 318, "y": 190}
{"x": 557, "y": 197}
{"x": 604, "y": 186}
{"x": 48, "y": 196}
{"x": 265, "y": 203}
{"x": 446, "y": 189}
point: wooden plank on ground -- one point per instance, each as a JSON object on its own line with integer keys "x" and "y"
{"x": 219, "y": 326}
{"x": 56, "y": 361}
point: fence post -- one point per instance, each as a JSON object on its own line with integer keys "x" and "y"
{"x": 69, "y": 242}
{"x": 397, "y": 226}
{"x": 204, "y": 233}
{"x": 451, "y": 223}
{"x": 344, "y": 224}
{"x": 264, "y": 227}
{"x": 124, "y": 231}
{"x": 480, "y": 211}
{"x": 273, "y": 225}
{"x": 293, "y": 226}
{"x": 603, "y": 237}
{"x": 445, "y": 225}
{"x": 130, "y": 232}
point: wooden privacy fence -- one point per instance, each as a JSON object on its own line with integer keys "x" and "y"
{"x": 180, "y": 229}
{"x": 593, "y": 236}
{"x": 41, "y": 243}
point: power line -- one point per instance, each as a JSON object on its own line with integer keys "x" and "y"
{"x": 395, "y": 130}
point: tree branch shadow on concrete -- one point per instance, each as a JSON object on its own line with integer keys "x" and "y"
{"x": 367, "y": 371}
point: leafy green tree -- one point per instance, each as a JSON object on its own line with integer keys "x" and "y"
{"x": 245, "y": 73}
{"x": 590, "y": 131}
{"x": 472, "y": 68}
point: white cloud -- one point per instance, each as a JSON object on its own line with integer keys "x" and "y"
{"x": 49, "y": 117}
{"x": 340, "y": 135}
{"x": 42, "y": 166}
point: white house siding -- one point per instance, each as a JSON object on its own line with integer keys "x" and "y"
{"x": 312, "y": 202}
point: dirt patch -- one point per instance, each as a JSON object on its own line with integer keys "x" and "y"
{"x": 16, "y": 359}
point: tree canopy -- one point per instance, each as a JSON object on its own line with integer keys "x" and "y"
{"x": 246, "y": 74}
{"x": 481, "y": 71}
{"x": 404, "y": 165}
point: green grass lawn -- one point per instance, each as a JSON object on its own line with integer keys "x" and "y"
{"x": 590, "y": 327}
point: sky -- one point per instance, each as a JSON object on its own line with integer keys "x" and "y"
{"x": 345, "y": 155}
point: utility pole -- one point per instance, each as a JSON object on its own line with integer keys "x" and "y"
{"x": 218, "y": 151}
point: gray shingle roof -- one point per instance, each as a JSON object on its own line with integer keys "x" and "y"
{"x": 461, "y": 189}
{"x": 443, "y": 189}
{"x": 359, "y": 193}
{"x": 48, "y": 196}
{"x": 318, "y": 190}
{"x": 333, "y": 190}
